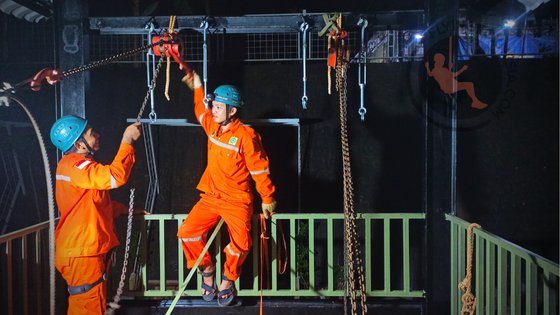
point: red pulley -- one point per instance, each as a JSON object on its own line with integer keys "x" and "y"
{"x": 169, "y": 45}
{"x": 171, "y": 48}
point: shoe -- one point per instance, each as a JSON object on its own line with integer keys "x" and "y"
{"x": 229, "y": 293}
{"x": 210, "y": 290}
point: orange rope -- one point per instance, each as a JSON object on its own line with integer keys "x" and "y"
{"x": 168, "y": 68}
{"x": 282, "y": 258}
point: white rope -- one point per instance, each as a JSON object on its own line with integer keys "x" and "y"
{"x": 50, "y": 197}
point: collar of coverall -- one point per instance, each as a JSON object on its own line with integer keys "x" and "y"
{"x": 233, "y": 125}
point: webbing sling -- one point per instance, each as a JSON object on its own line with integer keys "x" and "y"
{"x": 79, "y": 289}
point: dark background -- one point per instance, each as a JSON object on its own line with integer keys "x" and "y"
{"x": 507, "y": 169}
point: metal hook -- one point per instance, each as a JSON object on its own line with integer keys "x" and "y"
{"x": 205, "y": 25}
{"x": 362, "y": 69}
{"x": 304, "y": 27}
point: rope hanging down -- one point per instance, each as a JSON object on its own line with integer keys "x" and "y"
{"x": 168, "y": 68}
{"x": 50, "y": 195}
{"x": 353, "y": 256}
{"x": 468, "y": 299}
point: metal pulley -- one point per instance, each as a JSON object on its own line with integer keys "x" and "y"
{"x": 169, "y": 46}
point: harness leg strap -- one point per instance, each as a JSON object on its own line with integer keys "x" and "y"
{"x": 79, "y": 289}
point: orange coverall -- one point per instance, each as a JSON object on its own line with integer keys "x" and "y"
{"x": 85, "y": 231}
{"x": 233, "y": 157}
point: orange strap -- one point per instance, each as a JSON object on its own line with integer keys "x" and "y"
{"x": 282, "y": 258}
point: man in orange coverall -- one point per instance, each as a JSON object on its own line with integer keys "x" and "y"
{"x": 85, "y": 233}
{"x": 235, "y": 154}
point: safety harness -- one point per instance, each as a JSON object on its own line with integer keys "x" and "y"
{"x": 79, "y": 289}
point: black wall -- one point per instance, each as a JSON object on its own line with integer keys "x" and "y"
{"x": 507, "y": 154}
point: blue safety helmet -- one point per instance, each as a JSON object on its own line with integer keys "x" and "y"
{"x": 229, "y": 95}
{"x": 66, "y": 130}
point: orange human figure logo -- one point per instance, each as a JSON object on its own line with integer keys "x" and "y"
{"x": 447, "y": 82}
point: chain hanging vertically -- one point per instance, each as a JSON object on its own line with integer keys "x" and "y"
{"x": 353, "y": 252}
{"x": 115, "y": 304}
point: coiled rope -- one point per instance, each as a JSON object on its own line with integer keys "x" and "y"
{"x": 468, "y": 299}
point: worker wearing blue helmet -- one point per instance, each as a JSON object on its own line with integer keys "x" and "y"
{"x": 235, "y": 155}
{"x": 85, "y": 232}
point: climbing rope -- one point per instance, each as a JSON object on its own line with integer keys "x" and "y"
{"x": 115, "y": 304}
{"x": 194, "y": 268}
{"x": 50, "y": 197}
{"x": 171, "y": 31}
{"x": 353, "y": 253}
{"x": 468, "y": 299}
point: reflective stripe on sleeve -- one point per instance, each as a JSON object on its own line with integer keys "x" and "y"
{"x": 259, "y": 172}
{"x": 113, "y": 182}
{"x": 63, "y": 177}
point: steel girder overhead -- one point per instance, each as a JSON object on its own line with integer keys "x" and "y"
{"x": 281, "y": 23}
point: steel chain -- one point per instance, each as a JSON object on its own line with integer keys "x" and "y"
{"x": 115, "y": 304}
{"x": 108, "y": 60}
{"x": 152, "y": 87}
{"x": 353, "y": 252}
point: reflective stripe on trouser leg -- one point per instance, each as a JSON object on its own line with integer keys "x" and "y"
{"x": 194, "y": 229}
{"x": 238, "y": 220}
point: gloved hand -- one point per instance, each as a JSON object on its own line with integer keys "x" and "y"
{"x": 268, "y": 209}
{"x": 192, "y": 80}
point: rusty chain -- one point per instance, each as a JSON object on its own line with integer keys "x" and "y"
{"x": 353, "y": 252}
{"x": 102, "y": 62}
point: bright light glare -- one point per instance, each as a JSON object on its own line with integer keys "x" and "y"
{"x": 509, "y": 23}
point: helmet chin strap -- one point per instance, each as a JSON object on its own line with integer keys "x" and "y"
{"x": 90, "y": 150}
{"x": 228, "y": 117}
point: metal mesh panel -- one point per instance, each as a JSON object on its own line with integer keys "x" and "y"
{"x": 318, "y": 46}
{"x": 192, "y": 46}
{"x": 272, "y": 46}
{"x": 108, "y": 45}
{"x": 25, "y": 42}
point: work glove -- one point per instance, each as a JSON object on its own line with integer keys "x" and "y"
{"x": 268, "y": 209}
{"x": 192, "y": 80}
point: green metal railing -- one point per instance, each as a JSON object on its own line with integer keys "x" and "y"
{"x": 315, "y": 257}
{"x": 24, "y": 270}
{"x": 392, "y": 248}
{"x": 507, "y": 279}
